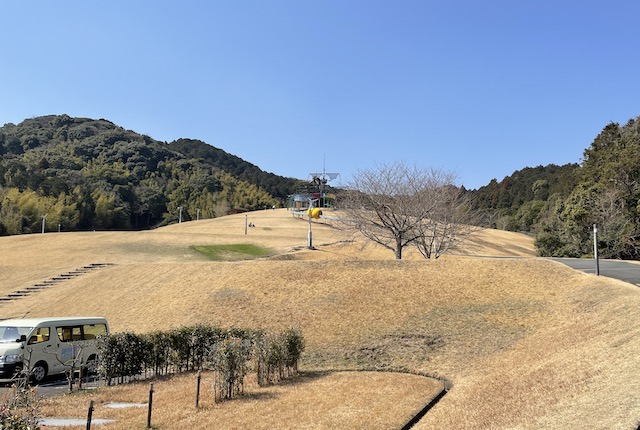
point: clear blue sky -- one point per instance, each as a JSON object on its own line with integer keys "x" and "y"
{"x": 482, "y": 88}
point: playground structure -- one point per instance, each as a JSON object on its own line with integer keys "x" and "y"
{"x": 320, "y": 180}
{"x": 315, "y": 195}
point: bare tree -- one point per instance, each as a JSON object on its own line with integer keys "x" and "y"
{"x": 397, "y": 205}
{"x": 449, "y": 224}
{"x": 72, "y": 365}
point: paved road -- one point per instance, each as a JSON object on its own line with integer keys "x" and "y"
{"x": 622, "y": 270}
{"x": 51, "y": 386}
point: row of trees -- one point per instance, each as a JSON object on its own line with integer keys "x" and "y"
{"x": 230, "y": 353}
{"x": 127, "y": 207}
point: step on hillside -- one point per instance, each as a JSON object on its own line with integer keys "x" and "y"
{"x": 54, "y": 280}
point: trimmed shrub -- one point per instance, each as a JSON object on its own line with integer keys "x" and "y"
{"x": 229, "y": 358}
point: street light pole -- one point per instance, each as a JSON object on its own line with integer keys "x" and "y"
{"x": 595, "y": 249}
{"x": 44, "y": 217}
{"x": 309, "y": 235}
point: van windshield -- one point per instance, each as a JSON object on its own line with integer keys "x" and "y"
{"x": 10, "y": 334}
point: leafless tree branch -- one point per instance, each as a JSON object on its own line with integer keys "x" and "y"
{"x": 397, "y": 205}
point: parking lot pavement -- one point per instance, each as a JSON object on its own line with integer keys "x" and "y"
{"x": 52, "y": 386}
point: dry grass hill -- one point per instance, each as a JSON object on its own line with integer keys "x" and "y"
{"x": 526, "y": 343}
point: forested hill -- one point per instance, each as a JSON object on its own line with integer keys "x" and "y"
{"x": 92, "y": 174}
{"x": 509, "y": 204}
{"x": 560, "y": 204}
{"x": 275, "y": 185}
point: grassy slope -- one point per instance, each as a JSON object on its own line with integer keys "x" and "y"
{"x": 527, "y": 343}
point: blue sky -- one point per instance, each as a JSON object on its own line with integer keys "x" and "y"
{"x": 481, "y": 88}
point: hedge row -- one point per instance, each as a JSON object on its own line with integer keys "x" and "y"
{"x": 230, "y": 353}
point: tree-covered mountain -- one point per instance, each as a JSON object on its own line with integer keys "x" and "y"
{"x": 82, "y": 173}
{"x": 561, "y": 204}
{"x": 607, "y": 195}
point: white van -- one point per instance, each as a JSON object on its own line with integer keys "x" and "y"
{"x": 49, "y": 345}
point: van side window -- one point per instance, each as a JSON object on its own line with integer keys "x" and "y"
{"x": 69, "y": 333}
{"x": 40, "y": 335}
{"x": 81, "y": 332}
{"x": 92, "y": 331}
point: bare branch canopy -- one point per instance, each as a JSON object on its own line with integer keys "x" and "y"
{"x": 398, "y": 205}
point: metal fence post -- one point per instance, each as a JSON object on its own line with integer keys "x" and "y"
{"x": 89, "y": 415}
{"x": 198, "y": 389}
{"x": 150, "y": 405}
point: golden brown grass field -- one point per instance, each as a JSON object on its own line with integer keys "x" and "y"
{"x": 526, "y": 343}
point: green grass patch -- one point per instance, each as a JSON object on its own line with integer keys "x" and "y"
{"x": 240, "y": 251}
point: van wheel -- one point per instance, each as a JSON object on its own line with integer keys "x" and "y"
{"x": 39, "y": 371}
{"x": 91, "y": 366}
